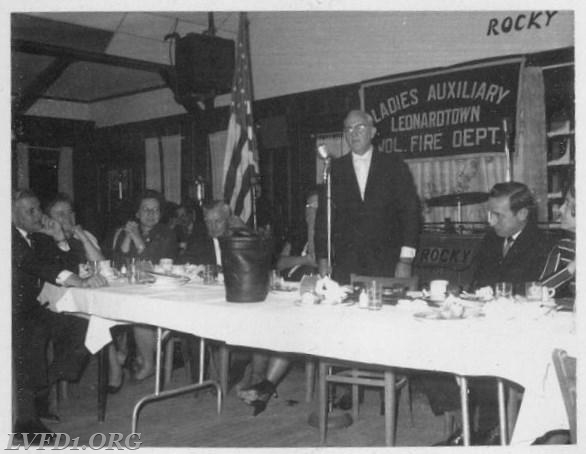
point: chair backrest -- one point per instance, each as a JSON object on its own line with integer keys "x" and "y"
{"x": 565, "y": 368}
{"x": 409, "y": 283}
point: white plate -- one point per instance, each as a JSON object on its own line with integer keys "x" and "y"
{"x": 168, "y": 280}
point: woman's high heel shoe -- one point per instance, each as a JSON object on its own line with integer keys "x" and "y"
{"x": 114, "y": 389}
{"x": 258, "y": 396}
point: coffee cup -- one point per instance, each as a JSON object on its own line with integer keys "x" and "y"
{"x": 438, "y": 289}
{"x": 178, "y": 269}
{"x": 166, "y": 265}
{"x": 534, "y": 291}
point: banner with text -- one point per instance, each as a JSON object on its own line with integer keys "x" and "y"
{"x": 454, "y": 111}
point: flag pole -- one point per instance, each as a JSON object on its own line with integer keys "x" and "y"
{"x": 253, "y": 141}
{"x": 241, "y": 158}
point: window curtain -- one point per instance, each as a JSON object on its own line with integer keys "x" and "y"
{"x": 64, "y": 168}
{"x": 171, "y": 172}
{"x": 217, "y": 143}
{"x": 530, "y": 157}
{"x": 65, "y": 171}
{"x": 22, "y": 170}
{"x": 456, "y": 174}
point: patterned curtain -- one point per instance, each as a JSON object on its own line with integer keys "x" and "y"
{"x": 456, "y": 174}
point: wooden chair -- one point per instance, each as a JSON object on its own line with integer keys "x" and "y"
{"x": 173, "y": 340}
{"x": 565, "y": 368}
{"x": 355, "y": 375}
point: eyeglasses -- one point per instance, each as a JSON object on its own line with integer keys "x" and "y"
{"x": 150, "y": 210}
{"x": 311, "y": 205}
{"x": 359, "y": 128}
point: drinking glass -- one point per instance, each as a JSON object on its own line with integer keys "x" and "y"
{"x": 375, "y": 302}
{"x": 209, "y": 274}
{"x": 503, "y": 290}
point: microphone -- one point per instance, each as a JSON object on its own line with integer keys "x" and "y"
{"x": 322, "y": 151}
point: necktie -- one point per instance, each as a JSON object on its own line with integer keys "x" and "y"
{"x": 28, "y": 238}
{"x": 508, "y": 244}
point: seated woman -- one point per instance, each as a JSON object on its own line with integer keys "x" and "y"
{"x": 560, "y": 269}
{"x": 150, "y": 240}
{"x": 296, "y": 259}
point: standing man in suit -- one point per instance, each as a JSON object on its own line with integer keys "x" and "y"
{"x": 40, "y": 253}
{"x": 375, "y": 210}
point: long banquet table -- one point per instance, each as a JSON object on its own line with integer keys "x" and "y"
{"x": 517, "y": 348}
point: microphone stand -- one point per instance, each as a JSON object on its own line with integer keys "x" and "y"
{"x": 328, "y": 182}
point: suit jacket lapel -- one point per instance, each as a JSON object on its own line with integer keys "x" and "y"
{"x": 350, "y": 175}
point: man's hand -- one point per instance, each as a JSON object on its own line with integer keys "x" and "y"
{"x": 78, "y": 233}
{"x": 52, "y": 228}
{"x": 91, "y": 282}
{"x": 95, "y": 281}
{"x": 310, "y": 259}
{"x": 403, "y": 269}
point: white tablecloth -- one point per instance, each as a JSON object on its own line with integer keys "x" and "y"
{"x": 518, "y": 349}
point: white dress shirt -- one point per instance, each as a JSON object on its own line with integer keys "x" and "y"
{"x": 217, "y": 251}
{"x": 361, "y": 167}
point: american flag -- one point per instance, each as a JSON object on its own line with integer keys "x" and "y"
{"x": 241, "y": 160}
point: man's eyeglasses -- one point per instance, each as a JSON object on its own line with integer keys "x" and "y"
{"x": 311, "y": 205}
{"x": 359, "y": 128}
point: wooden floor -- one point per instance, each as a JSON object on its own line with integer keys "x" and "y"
{"x": 192, "y": 421}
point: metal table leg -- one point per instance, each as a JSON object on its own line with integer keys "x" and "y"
{"x": 502, "y": 411}
{"x": 159, "y": 395}
{"x": 465, "y": 413}
{"x": 103, "y": 366}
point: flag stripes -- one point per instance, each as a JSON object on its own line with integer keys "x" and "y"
{"x": 240, "y": 165}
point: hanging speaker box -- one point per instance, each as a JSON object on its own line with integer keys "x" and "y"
{"x": 203, "y": 63}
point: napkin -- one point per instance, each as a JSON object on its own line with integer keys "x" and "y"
{"x": 330, "y": 291}
{"x": 98, "y": 333}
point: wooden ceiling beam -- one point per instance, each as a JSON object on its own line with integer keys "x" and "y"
{"x": 37, "y": 48}
{"x": 39, "y": 85}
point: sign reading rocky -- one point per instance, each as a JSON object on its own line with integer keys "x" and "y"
{"x": 455, "y": 111}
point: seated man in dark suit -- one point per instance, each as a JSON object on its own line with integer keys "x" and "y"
{"x": 203, "y": 248}
{"x": 514, "y": 250}
{"x": 40, "y": 253}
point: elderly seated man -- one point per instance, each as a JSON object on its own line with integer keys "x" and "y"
{"x": 203, "y": 247}
{"x": 82, "y": 243}
{"x": 40, "y": 253}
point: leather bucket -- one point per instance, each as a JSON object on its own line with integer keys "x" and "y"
{"x": 246, "y": 262}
